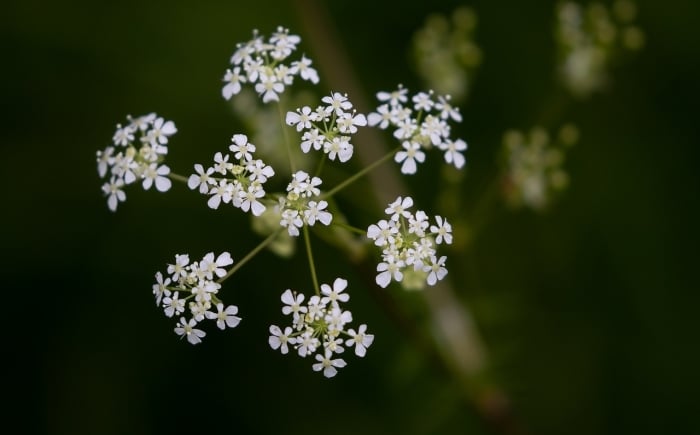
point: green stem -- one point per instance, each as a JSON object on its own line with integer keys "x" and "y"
{"x": 286, "y": 137}
{"x": 320, "y": 165}
{"x": 349, "y": 228}
{"x": 307, "y": 241}
{"x": 178, "y": 177}
{"x": 358, "y": 175}
{"x": 250, "y": 255}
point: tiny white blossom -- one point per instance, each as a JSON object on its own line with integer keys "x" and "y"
{"x": 173, "y": 304}
{"x": 233, "y": 81}
{"x": 336, "y": 293}
{"x": 443, "y": 230}
{"x": 225, "y": 317}
{"x": 158, "y": 175}
{"x": 115, "y": 193}
{"x": 409, "y": 157}
{"x": 160, "y": 287}
{"x": 316, "y": 211}
{"x": 201, "y": 179}
{"x": 280, "y": 340}
{"x": 327, "y": 364}
{"x": 400, "y": 208}
{"x": 187, "y": 329}
{"x": 360, "y": 339}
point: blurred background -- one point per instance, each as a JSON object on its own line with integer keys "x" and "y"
{"x": 587, "y": 312}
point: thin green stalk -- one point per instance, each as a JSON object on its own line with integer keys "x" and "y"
{"x": 307, "y": 241}
{"x": 178, "y": 177}
{"x": 349, "y": 228}
{"x": 250, "y": 255}
{"x": 286, "y": 137}
{"x": 358, "y": 175}
{"x": 320, "y": 165}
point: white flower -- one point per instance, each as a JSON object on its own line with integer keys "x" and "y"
{"x": 328, "y": 365}
{"x": 201, "y": 179}
{"x": 160, "y": 287}
{"x": 395, "y": 97}
{"x": 292, "y": 303}
{"x": 259, "y": 171}
{"x": 269, "y": 88}
{"x": 115, "y": 193}
{"x": 446, "y": 109}
{"x": 423, "y": 101}
{"x": 453, "y": 153}
{"x": 409, "y": 157}
{"x": 178, "y": 270}
{"x": 437, "y": 270}
{"x": 443, "y": 230}
{"x": 242, "y": 149}
{"x": 316, "y": 211}
{"x": 306, "y": 343}
{"x": 221, "y": 192}
{"x": 161, "y": 130}
{"x": 340, "y": 146}
{"x": 383, "y": 232}
{"x": 233, "y": 81}
{"x": 187, "y": 329}
{"x": 312, "y": 138}
{"x": 123, "y": 135}
{"x": 399, "y": 208}
{"x": 215, "y": 267}
{"x": 221, "y": 163}
{"x": 303, "y": 67}
{"x": 360, "y": 339}
{"x": 337, "y": 103}
{"x": 279, "y": 339}
{"x": 301, "y": 118}
{"x": 173, "y": 304}
{"x": 104, "y": 160}
{"x": 249, "y": 199}
{"x": 388, "y": 270}
{"x": 291, "y": 221}
{"x": 382, "y": 117}
{"x": 158, "y": 175}
{"x": 225, "y": 317}
{"x": 335, "y": 294}
{"x": 348, "y": 122}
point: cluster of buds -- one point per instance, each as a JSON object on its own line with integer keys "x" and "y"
{"x": 533, "y": 166}
{"x": 588, "y": 38}
{"x": 445, "y": 53}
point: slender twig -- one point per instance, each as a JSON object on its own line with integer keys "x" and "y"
{"x": 250, "y": 255}
{"x": 312, "y": 266}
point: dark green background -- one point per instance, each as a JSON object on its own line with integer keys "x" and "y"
{"x": 588, "y": 312}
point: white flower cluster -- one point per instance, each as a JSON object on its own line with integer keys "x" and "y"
{"x": 533, "y": 166}
{"x": 408, "y": 241}
{"x": 319, "y": 327}
{"x": 260, "y": 62}
{"x": 588, "y": 38}
{"x": 246, "y": 176}
{"x": 328, "y": 127}
{"x": 423, "y": 130}
{"x": 138, "y": 151}
{"x": 297, "y": 208}
{"x": 191, "y": 286}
